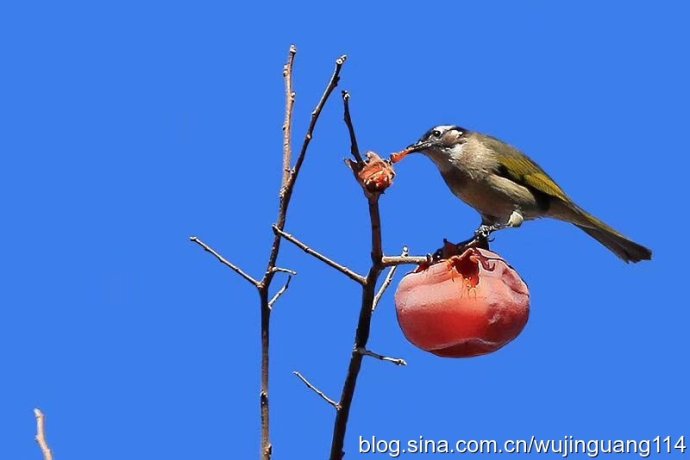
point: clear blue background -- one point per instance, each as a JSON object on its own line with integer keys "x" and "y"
{"x": 126, "y": 127}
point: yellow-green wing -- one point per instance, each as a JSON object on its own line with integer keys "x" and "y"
{"x": 519, "y": 168}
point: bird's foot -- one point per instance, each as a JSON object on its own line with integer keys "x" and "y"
{"x": 514, "y": 220}
{"x": 449, "y": 249}
{"x": 484, "y": 231}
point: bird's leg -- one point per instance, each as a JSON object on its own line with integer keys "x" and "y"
{"x": 480, "y": 238}
{"x": 515, "y": 220}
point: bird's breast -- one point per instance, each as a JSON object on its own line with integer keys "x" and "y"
{"x": 471, "y": 177}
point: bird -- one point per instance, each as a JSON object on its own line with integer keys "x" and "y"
{"x": 507, "y": 187}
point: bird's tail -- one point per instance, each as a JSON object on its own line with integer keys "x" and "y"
{"x": 624, "y": 248}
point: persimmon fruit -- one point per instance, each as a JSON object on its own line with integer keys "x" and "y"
{"x": 468, "y": 305}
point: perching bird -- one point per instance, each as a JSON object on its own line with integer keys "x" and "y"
{"x": 507, "y": 187}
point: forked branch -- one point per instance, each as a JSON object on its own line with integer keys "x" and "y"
{"x": 289, "y": 177}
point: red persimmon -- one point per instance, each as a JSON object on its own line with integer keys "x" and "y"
{"x": 467, "y": 305}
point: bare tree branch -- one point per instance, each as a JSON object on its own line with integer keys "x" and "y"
{"x": 280, "y": 292}
{"x": 284, "y": 270}
{"x": 289, "y": 178}
{"x": 366, "y": 308}
{"x": 41, "y": 435}
{"x": 317, "y": 391}
{"x": 288, "y": 187}
{"x": 341, "y": 268}
{"x": 392, "y": 261}
{"x": 224, "y": 261}
{"x": 396, "y": 361}
{"x": 287, "y": 124}
{"x": 335, "y": 78}
{"x": 354, "y": 148}
{"x": 361, "y": 334}
{"x": 387, "y": 281}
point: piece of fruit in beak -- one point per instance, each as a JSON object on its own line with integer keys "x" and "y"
{"x": 398, "y": 156}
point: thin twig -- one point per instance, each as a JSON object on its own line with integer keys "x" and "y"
{"x": 335, "y": 78}
{"x": 387, "y": 281}
{"x": 396, "y": 361}
{"x": 341, "y": 268}
{"x": 354, "y": 148}
{"x": 41, "y": 435}
{"x": 280, "y": 292}
{"x": 392, "y": 261}
{"x": 317, "y": 391}
{"x": 287, "y": 124}
{"x": 224, "y": 261}
{"x": 284, "y": 270}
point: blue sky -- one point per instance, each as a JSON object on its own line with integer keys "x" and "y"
{"x": 126, "y": 127}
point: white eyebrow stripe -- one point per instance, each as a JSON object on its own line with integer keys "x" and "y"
{"x": 442, "y": 128}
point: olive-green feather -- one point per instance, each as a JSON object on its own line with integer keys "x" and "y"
{"x": 519, "y": 168}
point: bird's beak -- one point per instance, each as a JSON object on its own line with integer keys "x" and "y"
{"x": 416, "y": 147}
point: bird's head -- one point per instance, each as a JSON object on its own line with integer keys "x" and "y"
{"x": 442, "y": 140}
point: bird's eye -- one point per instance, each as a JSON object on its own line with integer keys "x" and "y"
{"x": 436, "y": 133}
